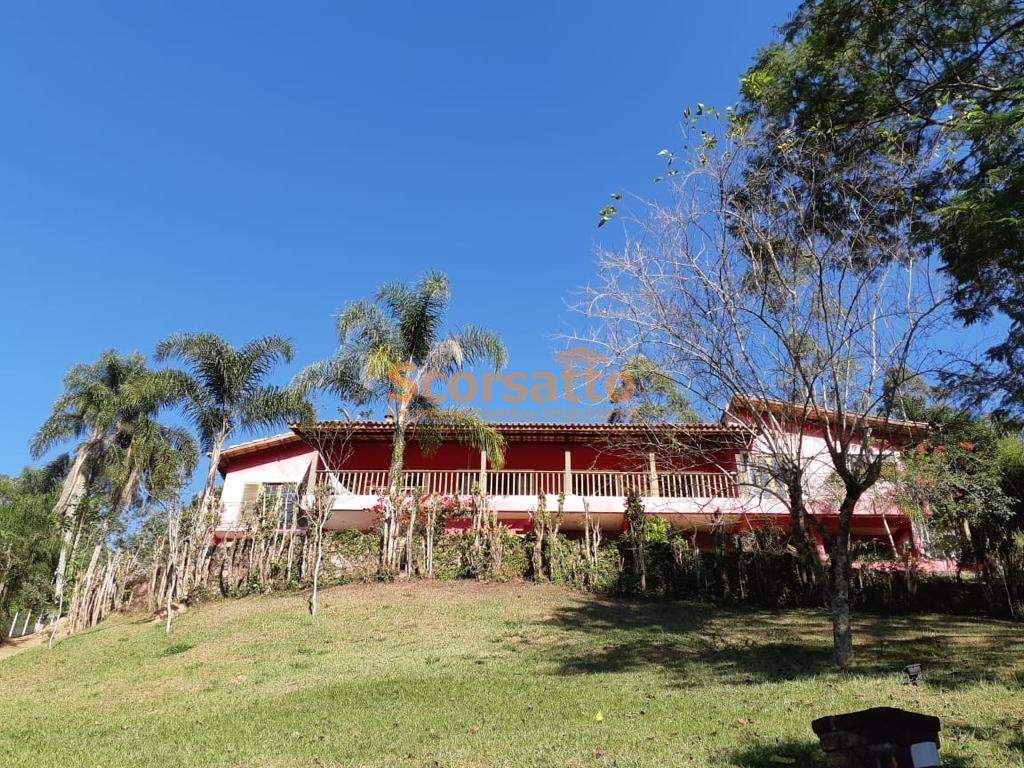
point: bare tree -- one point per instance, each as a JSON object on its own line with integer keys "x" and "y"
{"x": 319, "y": 509}
{"x": 173, "y": 550}
{"x": 800, "y": 303}
{"x": 331, "y": 442}
{"x": 538, "y": 521}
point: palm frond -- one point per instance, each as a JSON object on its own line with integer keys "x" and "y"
{"x": 46, "y": 478}
{"x": 379, "y": 366}
{"x": 93, "y": 399}
{"x": 363, "y": 323}
{"x": 445, "y": 358}
{"x": 340, "y": 375}
{"x": 272, "y": 407}
{"x": 420, "y": 314}
{"x": 434, "y": 425}
{"x": 482, "y": 346}
{"x": 59, "y": 427}
{"x": 256, "y": 359}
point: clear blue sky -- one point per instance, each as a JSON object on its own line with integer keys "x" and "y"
{"x": 249, "y": 168}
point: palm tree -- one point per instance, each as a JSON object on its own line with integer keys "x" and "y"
{"x": 146, "y": 455}
{"x": 103, "y": 406}
{"x": 153, "y": 458}
{"x": 389, "y": 349}
{"x": 225, "y": 390}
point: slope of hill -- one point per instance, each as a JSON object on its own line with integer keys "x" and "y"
{"x": 465, "y": 674}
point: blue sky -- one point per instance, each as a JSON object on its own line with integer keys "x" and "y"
{"x": 250, "y": 168}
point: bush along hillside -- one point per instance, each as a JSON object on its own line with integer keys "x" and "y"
{"x": 649, "y": 558}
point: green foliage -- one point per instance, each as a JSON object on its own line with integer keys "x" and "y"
{"x": 223, "y": 388}
{"x": 29, "y": 540}
{"x": 941, "y": 81}
{"x": 656, "y": 530}
{"x": 94, "y": 400}
{"x": 958, "y": 471}
{"x": 647, "y": 395}
{"x": 391, "y": 348}
{"x": 350, "y": 555}
{"x": 112, "y": 407}
{"x": 448, "y": 549}
{"x": 971, "y": 473}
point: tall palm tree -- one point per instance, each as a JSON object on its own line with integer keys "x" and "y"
{"x": 225, "y": 390}
{"x": 151, "y": 458}
{"x": 100, "y": 404}
{"x": 388, "y": 350}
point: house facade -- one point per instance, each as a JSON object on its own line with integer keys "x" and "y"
{"x": 701, "y": 478}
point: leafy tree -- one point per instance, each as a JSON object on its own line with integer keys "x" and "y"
{"x": 29, "y": 537}
{"x": 224, "y": 390}
{"x": 942, "y": 80}
{"x": 905, "y": 394}
{"x": 650, "y": 396}
{"x": 970, "y": 472}
{"x": 390, "y": 350}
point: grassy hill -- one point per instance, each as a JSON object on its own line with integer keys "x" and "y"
{"x": 464, "y": 674}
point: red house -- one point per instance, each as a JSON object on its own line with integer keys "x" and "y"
{"x": 695, "y": 476}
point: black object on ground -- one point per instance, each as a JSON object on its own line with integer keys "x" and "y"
{"x": 882, "y": 737}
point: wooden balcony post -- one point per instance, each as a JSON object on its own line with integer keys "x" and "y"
{"x": 483, "y": 472}
{"x": 314, "y": 465}
{"x": 567, "y": 477}
{"x": 653, "y": 474}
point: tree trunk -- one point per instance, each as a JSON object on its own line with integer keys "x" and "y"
{"x": 66, "y": 509}
{"x": 428, "y": 540}
{"x": 317, "y": 562}
{"x": 211, "y": 472}
{"x": 538, "y": 546}
{"x": 554, "y": 526}
{"x": 409, "y": 559}
{"x": 805, "y": 543}
{"x": 842, "y": 632}
{"x": 127, "y": 492}
{"x": 390, "y": 519}
{"x": 839, "y": 586}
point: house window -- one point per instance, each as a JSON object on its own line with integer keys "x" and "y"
{"x": 271, "y": 498}
{"x": 281, "y": 497}
{"x": 763, "y": 472}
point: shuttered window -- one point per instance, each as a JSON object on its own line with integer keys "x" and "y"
{"x": 250, "y": 493}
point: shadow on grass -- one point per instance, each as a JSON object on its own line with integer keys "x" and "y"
{"x": 735, "y": 645}
{"x": 798, "y": 754}
{"x": 803, "y": 754}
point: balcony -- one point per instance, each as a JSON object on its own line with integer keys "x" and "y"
{"x": 525, "y": 482}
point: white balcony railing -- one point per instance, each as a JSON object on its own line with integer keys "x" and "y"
{"x": 528, "y": 482}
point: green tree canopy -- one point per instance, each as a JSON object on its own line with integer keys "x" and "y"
{"x": 942, "y": 80}
{"x": 650, "y": 396}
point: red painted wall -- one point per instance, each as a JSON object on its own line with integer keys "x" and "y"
{"x": 527, "y": 455}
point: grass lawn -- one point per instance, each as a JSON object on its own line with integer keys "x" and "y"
{"x": 465, "y": 674}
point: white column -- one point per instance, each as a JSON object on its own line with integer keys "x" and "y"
{"x": 567, "y": 477}
{"x": 653, "y": 478}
